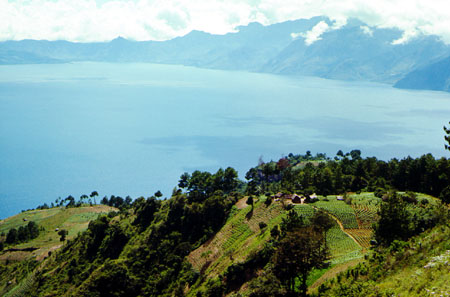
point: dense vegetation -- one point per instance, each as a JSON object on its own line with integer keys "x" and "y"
{"x": 148, "y": 246}
{"x": 351, "y": 173}
{"x": 23, "y": 233}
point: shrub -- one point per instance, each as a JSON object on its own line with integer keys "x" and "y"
{"x": 262, "y": 225}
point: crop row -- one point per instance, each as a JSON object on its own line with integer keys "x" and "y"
{"x": 366, "y": 215}
{"x": 362, "y": 236}
{"x": 305, "y": 211}
{"x": 340, "y": 243}
{"x": 341, "y": 210}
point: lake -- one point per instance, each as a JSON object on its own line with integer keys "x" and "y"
{"x": 133, "y": 129}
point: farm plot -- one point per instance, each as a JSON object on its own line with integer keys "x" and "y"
{"x": 240, "y": 236}
{"x": 305, "y": 211}
{"x": 342, "y": 211}
{"x": 366, "y": 215}
{"x": 362, "y": 236}
{"x": 340, "y": 243}
{"x": 366, "y": 198}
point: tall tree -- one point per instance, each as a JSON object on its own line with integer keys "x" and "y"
{"x": 394, "y": 220}
{"x": 298, "y": 253}
{"x": 447, "y": 137}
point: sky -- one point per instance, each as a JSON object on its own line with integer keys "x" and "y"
{"x": 104, "y": 20}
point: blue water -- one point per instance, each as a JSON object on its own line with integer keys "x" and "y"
{"x": 133, "y": 129}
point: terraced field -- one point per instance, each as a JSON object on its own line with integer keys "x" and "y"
{"x": 341, "y": 211}
{"x": 366, "y": 215}
{"x": 340, "y": 243}
{"x": 305, "y": 210}
{"x": 362, "y": 236}
{"x": 240, "y": 236}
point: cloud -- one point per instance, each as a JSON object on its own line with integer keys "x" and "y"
{"x": 406, "y": 36}
{"x": 102, "y": 20}
{"x": 366, "y": 30}
{"x": 316, "y": 32}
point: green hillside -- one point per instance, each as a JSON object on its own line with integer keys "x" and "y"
{"x": 368, "y": 229}
{"x": 23, "y": 256}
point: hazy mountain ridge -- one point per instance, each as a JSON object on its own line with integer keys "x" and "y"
{"x": 352, "y": 52}
{"x": 431, "y": 77}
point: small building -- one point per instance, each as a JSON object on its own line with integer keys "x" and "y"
{"x": 296, "y": 198}
{"x": 340, "y": 198}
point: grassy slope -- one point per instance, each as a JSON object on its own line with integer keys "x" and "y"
{"x": 74, "y": 220}
{"x": 422, "y": 268}
{"x": 17, "y": 276}
{"x": 242, "y": 236}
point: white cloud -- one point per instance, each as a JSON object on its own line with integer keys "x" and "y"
{"x": 101, "y": 20}
{"x": 406, "y": 36}
{"x": 367, "y": 30}
{"x": 314, "y": 34}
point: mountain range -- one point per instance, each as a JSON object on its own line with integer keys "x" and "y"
{"x": 354, "y": 51}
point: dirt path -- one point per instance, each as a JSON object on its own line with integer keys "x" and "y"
{"x": 242, "y": 203}
{"x": 340, "y": 225}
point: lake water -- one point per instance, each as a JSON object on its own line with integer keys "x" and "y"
{"x": 133, "y": 129}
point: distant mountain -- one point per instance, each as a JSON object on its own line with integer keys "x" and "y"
{"x": 432, "y": 77}
{"x": 247, "y": 49}
{"x": 352, "y": 52}
{"x": 357, "y": 52}
{"x": 20, "y": 57}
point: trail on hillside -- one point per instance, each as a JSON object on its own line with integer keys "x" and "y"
{"x": 340, "y": 225}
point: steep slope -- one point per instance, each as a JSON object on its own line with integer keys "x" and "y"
{"x": 357, "y": 52}
{"x": 419, "y": 267}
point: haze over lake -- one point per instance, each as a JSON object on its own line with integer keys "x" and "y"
{"x": 133, "y": 129}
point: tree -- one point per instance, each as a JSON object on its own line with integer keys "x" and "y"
{"x": 322, "y": 222}
{"x": 447, "y": 137}
{"x": 298, "y": 253}
{"x": 250, "y": 201}
{"x": 63, "y": 233}
{"x": 12, "y": 236}
{"x": 158, "y": 194}
{"x": 82, "y": 198}
{"x": 33, "y": 230}
{"x": 71, "y": 200}
{"x": 445, "y": 195}
{"x": 291, "y": 222}
{"x": 184, "y": 180}
{"x": 93, "y": 195}
{"x": 394, "y": 220}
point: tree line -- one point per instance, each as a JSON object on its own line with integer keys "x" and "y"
{"x": 352, "y": 173}
{"x": 22, "y": 233}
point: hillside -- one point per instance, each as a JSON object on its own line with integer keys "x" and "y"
{"x": 74, "y": 220}
{"x": 418, "y": 267}
{"x": 219, "y": 236}
{"x": 50, "y": 221}
{"x": 434, "y": 77}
